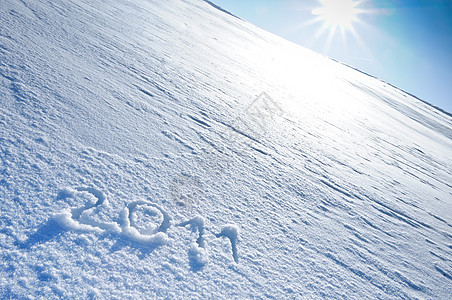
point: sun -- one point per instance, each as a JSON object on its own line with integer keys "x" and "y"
{"x": 338, "y": 13}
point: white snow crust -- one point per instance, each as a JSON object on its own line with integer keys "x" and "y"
{"x": 167, "y": 149}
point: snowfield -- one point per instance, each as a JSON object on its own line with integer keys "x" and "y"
{"x": 167, "y": 149}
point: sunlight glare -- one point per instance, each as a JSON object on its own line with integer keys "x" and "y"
{"x": 338, "y": 13}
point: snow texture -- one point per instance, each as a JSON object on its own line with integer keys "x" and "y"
{"x": 167, "y": 149}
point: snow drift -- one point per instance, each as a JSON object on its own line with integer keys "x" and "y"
{"x": 169, "y": 149}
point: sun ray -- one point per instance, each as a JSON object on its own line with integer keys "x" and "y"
{"x": 336, "y": 21}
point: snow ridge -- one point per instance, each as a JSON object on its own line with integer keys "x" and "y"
{"x": 166, "y": 149}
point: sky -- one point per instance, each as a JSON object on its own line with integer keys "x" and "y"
{"x": 407, "y": 43}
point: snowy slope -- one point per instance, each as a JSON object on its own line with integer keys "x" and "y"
{"x": 167, "y": 149}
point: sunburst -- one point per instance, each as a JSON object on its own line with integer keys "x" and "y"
{"x": 338, "y": 13}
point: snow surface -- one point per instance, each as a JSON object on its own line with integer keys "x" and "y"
{"x": 167, "y": 149}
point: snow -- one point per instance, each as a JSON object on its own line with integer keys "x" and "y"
{"x": 231, "y": 231}
{"x": 167, "y": 149}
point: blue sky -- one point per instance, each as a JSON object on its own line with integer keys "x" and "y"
{"x": 407, "y": 43}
